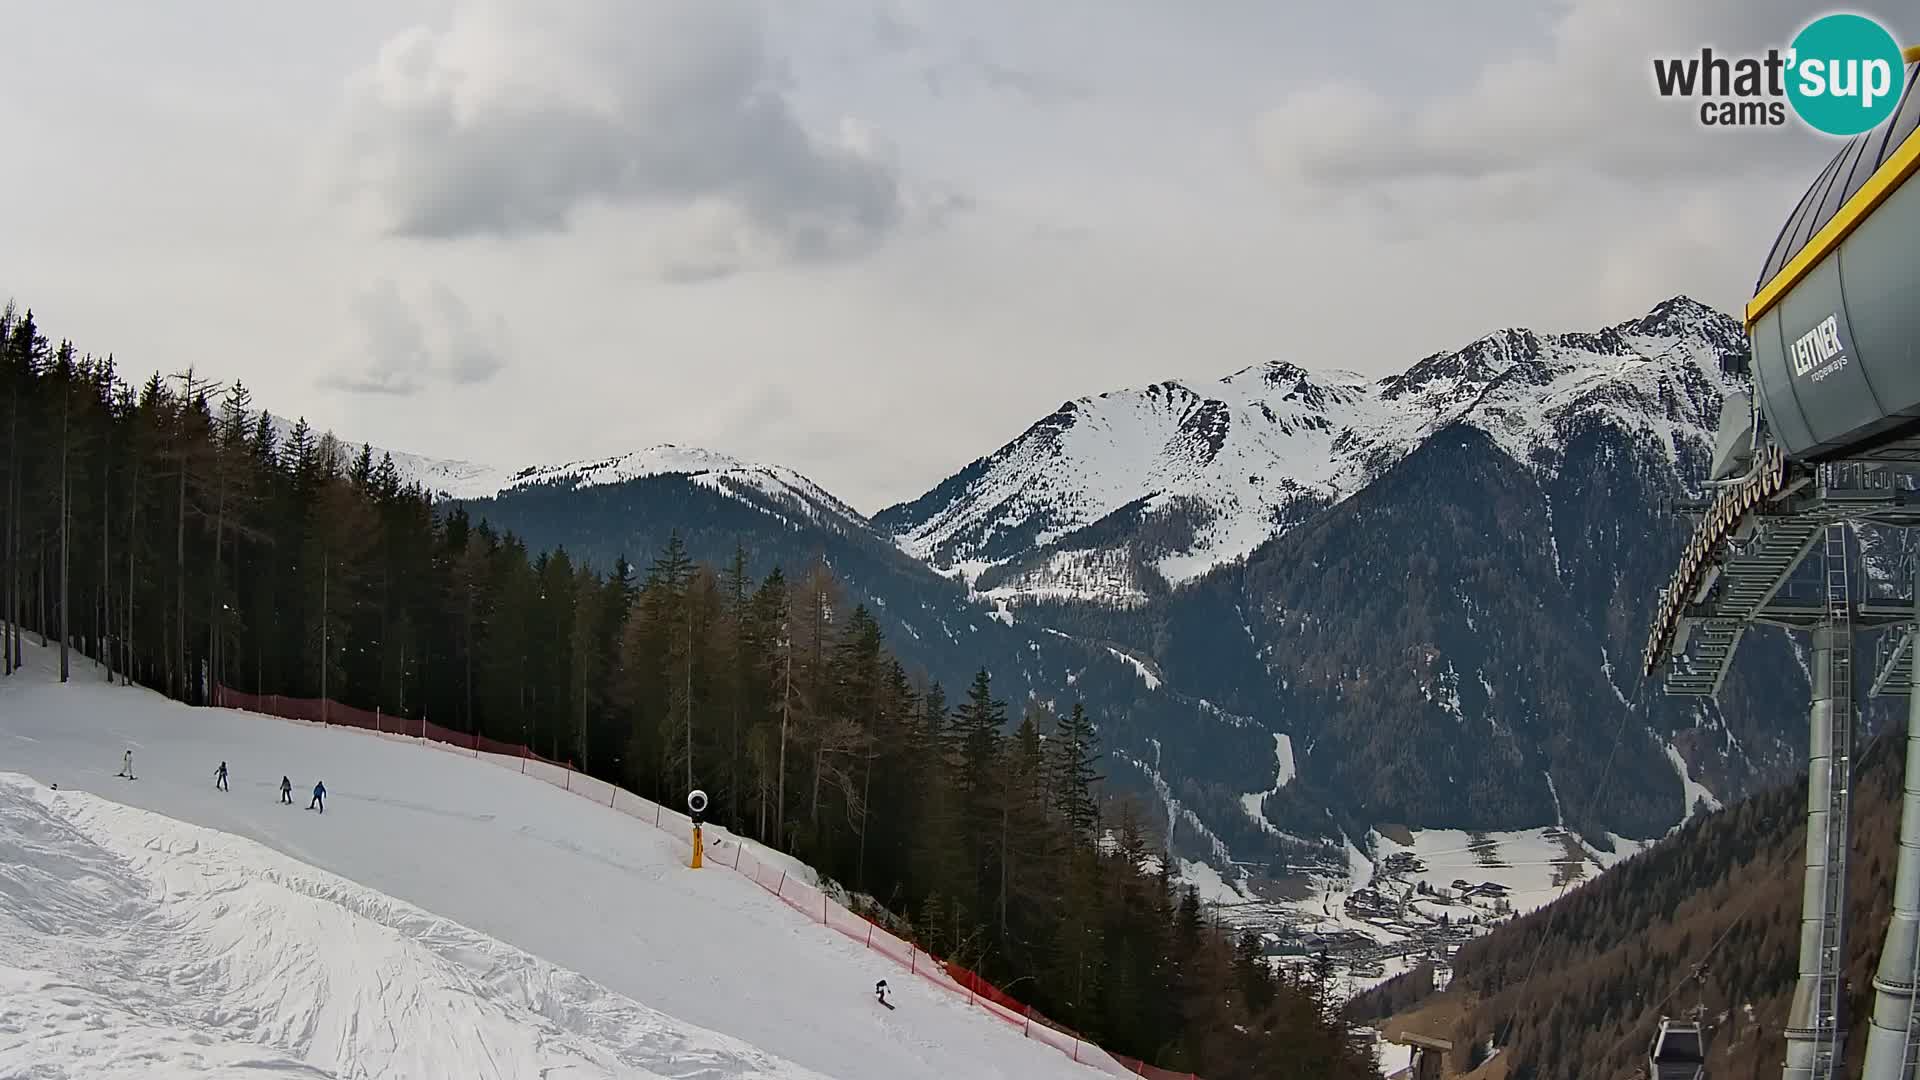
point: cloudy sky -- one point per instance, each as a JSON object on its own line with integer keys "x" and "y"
{"x": 871, "y": 239}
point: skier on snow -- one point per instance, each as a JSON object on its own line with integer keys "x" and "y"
{"x": 220, "y": 777}
{"x": 286, "y": 791}
{"x": 319, "y": 797}
{"x": 126, "y": 765}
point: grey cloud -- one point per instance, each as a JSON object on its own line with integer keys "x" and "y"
{"x": 407, "y": 347}
{"x": 517, "y": 115}
{"x": 1036, "y": 87}
{"x": 971, "y": 62}
{"x": 892, "y": 29}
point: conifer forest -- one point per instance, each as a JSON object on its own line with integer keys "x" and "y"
{"x": 167, "y": 532}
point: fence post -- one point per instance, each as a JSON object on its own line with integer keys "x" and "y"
{"x": 869, "y": 935}
{"x": 783, "y": 884}
{"x": 656, "y": 815}
{"x": 569, "y": 784}
{"x": 376, "y": 720}
{"x": 913, "y": 959}
{"x": 737, "y": 846}
{"x": 823, "y": 908}
{"x": 1076, "y": 1051}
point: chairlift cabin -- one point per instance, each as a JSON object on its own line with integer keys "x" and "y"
{"x": 1679, "y": 1052}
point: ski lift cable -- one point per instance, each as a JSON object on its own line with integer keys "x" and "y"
{"x": 1695, "y": 970}
{"x": 1698, "y": 969}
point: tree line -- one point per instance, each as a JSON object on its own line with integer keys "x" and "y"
{"x": 1705, "y": 923}
{"x": 176, "y": 536}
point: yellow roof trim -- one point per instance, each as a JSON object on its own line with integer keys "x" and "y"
{"x": 1884, "y": 182}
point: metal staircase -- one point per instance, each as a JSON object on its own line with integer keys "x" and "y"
{"x": 1893, "y": 663}
{"x": 1744, "y": 583}
{"x": 1746, "y": 551}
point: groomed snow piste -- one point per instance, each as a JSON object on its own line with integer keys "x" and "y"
{"x": 129, "y": 939}
{"x": 444, "y": 917}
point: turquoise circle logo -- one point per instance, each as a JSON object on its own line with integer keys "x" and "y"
{"x": 1846, "y": 74}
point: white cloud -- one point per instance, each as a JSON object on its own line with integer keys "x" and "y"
{"x": 593, "y": 178}
{"x": 1584, "y": 106}
{"x": 517, "y": 114}
{"x": 405, "y": 348}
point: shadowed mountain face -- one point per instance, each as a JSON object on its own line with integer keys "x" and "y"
{"x": 1435, "y": 584}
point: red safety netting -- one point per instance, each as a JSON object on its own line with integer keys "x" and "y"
{"x": 722, "y": 850}
{"x": 1136, "y": 1067}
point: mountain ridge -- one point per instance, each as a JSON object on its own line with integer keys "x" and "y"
{"x": 1207, "y": 475}
{"x": 1196, "y": 572}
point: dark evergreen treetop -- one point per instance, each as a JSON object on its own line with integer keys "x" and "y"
{"x": 204, "y": 550}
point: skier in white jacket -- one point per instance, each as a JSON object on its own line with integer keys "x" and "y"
{"x": 126, "y": 764}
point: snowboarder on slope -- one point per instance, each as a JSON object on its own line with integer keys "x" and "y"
{"x": 319, "y": 797}
{"x": 880, "y": 992}
{"x": 126, "y": 765}
{"x": 286, "y": 791}
{"x": 220, "y": 777}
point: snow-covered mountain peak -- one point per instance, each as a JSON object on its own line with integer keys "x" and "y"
{"x": 1194, "y": 475}
{"x": 466, "y": 480}
{"x": 709, "y": 468}
{"x": 1679, "y": 316}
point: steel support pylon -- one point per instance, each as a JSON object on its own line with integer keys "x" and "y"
{"x": 1893, "y": 1044}
{"x": 1816, "y": 1034}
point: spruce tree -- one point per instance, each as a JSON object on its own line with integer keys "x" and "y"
{"x": 217, "y": 552}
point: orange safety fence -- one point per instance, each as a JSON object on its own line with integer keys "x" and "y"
{"x": 723, "y": 850}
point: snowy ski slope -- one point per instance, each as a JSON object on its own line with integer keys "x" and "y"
{"x": 561, "y": 926}
{"x": 131, "y": 944}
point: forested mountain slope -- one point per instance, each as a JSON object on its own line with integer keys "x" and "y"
{"x": 173, "y": 535}
{"x": 1432, "y": 584}
{"x": 1618, "y": 953}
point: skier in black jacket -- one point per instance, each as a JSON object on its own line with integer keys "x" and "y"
{"x": 319, "y": 797}
{"x": 286, "y": 791}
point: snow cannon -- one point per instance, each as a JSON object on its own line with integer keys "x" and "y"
{"x": 696, "y": 808}
{"x": 1834, "y": 327}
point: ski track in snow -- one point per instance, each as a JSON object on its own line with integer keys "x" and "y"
{"x": 439, "y": 895}
{"x": 211, "y": 949}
